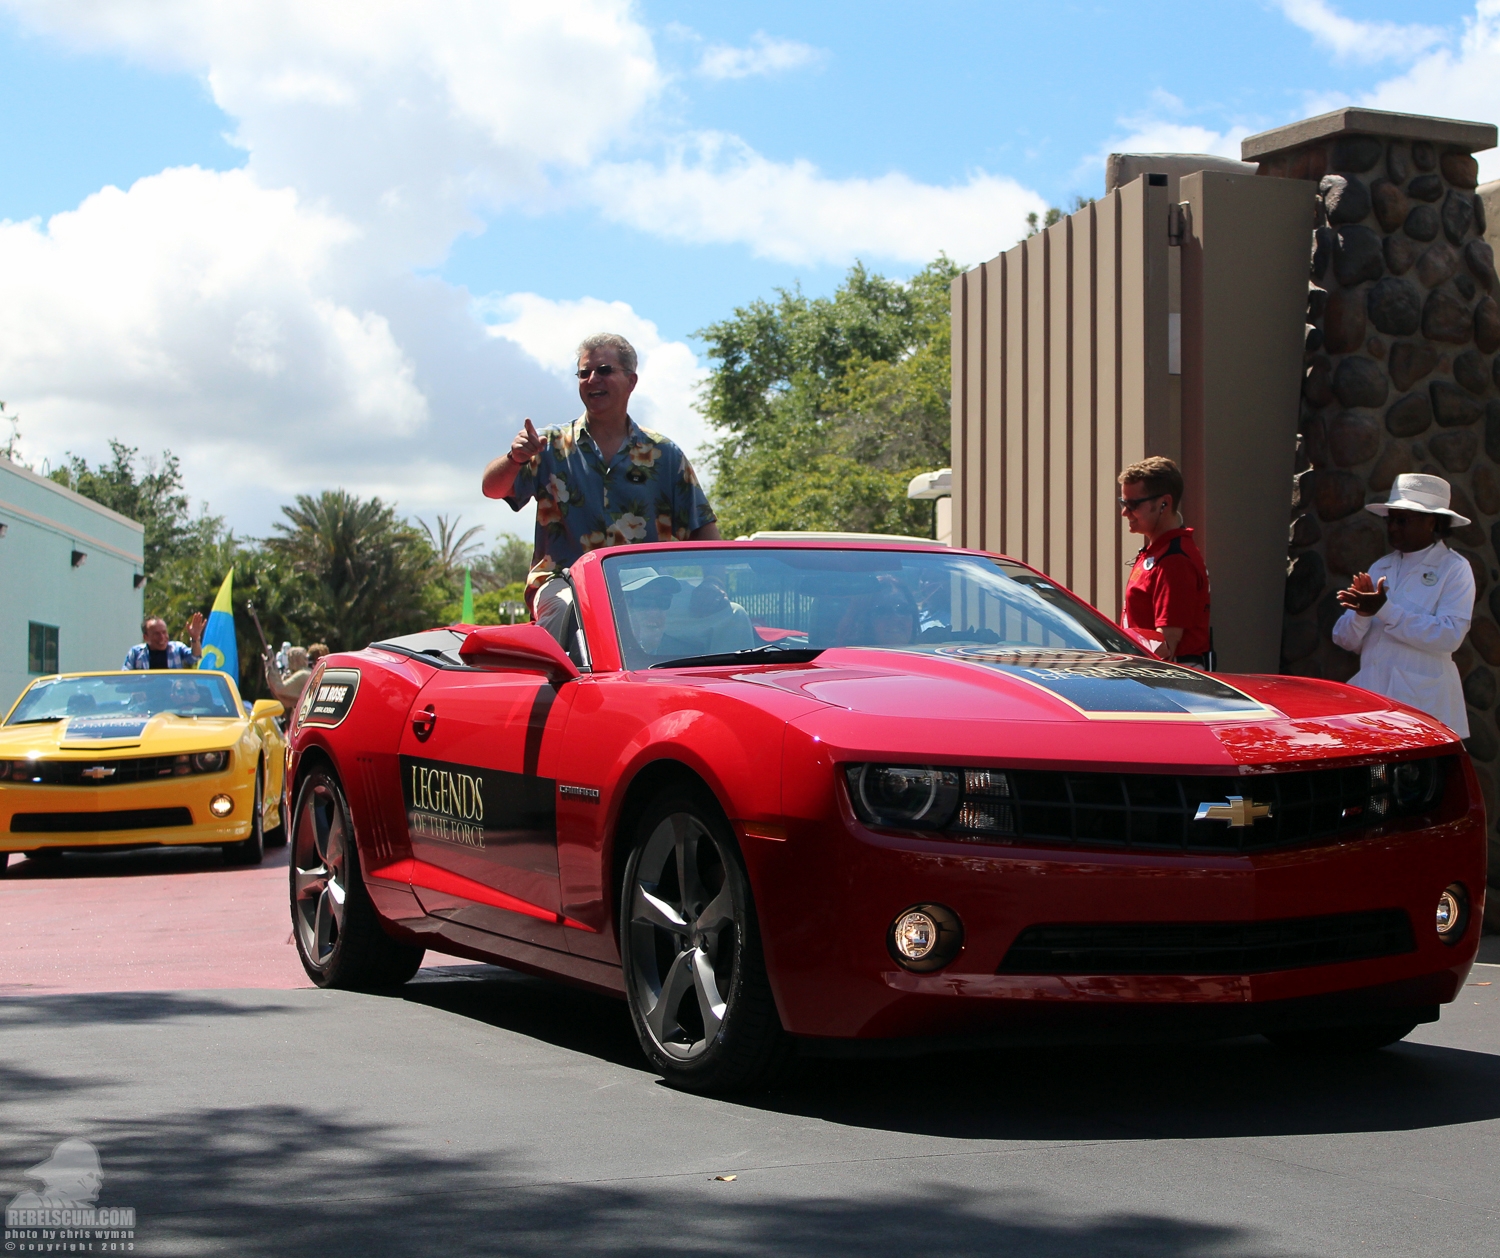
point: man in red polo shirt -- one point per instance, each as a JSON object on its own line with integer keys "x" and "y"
{"x": 1166, "y": 599}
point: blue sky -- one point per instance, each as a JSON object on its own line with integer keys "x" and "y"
{"x": 356, "y": 247}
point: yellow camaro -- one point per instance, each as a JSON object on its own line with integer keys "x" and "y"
{"x": 139, "y": 759}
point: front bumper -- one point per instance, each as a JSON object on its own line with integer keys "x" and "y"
{"x": 172, "y": 812}
{"x": 833, "y": 976}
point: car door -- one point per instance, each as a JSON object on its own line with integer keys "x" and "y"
{"x": 478, "y": 764}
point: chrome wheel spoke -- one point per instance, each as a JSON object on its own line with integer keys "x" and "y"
{"x": 654, "y": 911}
{"x": 310, "y": 883}
{"x": 325, "y": 926}
{"x": 686, "y": 835}
{"x": 718, "y": 914}
{"x": 706, "y": 984}
{"x": 662, "y": 1018}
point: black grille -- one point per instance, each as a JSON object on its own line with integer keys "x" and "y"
{"x": 126, "y": 770}
{"x": 93, "y": 822}
{"x": 1145, "y": 811}
{"x": 1209, "y": 947}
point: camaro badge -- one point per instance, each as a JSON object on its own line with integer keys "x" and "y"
{"x": 99, "y": 772}
{"x": 1236, "y": 810}
{"x": 590, "y": 793}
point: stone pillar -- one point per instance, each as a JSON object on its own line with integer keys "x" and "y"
{"x": 1401, "y": 375}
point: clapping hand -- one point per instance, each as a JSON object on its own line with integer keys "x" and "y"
{"x": 1363, "y": 596}
{"x": 527, "y": 445}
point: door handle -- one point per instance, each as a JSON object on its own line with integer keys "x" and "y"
{"x": 422, "y": 723}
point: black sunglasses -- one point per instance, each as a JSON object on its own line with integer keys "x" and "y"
{"x": 894, "y": 609}
{"x": 604, "y": 369}
{"x": 1130, "y": 504}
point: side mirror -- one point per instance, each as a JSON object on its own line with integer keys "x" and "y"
{"x": 528, "y": 647}
{"x": 266, "y": 707}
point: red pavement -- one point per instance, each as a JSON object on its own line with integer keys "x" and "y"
{"x": 156, "y": 920}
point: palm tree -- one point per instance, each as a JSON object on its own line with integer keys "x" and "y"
{"x": 366, "y": 568}
{"x": 454, "y": 550}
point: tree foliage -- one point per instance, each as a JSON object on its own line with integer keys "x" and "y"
{"x": 154, "y": 497}
{"x": 828, "y": 406}
{"x": 365, "y": 572}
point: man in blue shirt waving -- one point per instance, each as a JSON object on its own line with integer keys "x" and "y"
{"x": 602, "y": 480}
{"x": 160, "y": 651}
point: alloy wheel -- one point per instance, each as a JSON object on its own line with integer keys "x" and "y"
{"x": 685, "y": 929}
{"x": 319, "y": 871}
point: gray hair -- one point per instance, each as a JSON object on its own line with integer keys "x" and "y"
{"x": 296, "y": 656}
{"x": 624, "y": 350}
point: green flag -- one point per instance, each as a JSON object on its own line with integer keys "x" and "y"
{"x": 467, "y": 615}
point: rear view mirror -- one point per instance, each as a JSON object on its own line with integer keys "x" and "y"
{"x": 528, "y": 647}
{"x": 265, "y": 708}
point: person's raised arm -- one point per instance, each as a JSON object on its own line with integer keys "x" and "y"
{"x": 500, "y": 475}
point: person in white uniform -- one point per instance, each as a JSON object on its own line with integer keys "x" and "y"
{"x": 1407, "y": 615}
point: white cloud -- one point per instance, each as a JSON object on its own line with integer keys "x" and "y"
{"x": 270, "y": 324}
{"x": 1454, "y": 83}
{"x": 765, "y": 55}
{"x": 670, "y": 374}
{"x": 1352, "y": 40}
{"x": 719, "y": 190}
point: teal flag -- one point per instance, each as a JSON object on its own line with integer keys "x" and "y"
{"x": 220, "y": 648}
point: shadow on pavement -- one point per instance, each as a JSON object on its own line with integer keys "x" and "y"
{"x": 120, "y": 1009}
{"x": 1244, "y": 1087}
{"x": 279, "y": 1180}
{"x": 135, "y": 863}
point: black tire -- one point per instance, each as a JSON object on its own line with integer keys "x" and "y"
{"x": 695, "y": 976}
{"x": 341, "y": 944}
{"x": 49, "y": 858}
{"x": 276, "y": 835}
{"x": 251, "y": 851}
{"x": 1342, "y": 1041}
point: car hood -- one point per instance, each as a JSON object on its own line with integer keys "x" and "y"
{"x": 160, "y": 735}
{"x": 1087, "y": 707}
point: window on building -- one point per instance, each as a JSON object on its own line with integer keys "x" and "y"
{"x": 41, "y": 648}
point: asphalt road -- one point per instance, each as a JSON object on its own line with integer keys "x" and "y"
{"x": 482, "y": 1112}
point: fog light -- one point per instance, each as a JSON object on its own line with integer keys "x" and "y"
{"x": 221, "y": 805}
{"x": 925, "y": 937}
{"x": 1452, "y": 913}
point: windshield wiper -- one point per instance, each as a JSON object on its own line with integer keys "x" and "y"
{"x": 36, "y": 720}
{"x": 783, "y": 654}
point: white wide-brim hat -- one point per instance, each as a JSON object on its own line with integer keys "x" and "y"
{"x": 1416, "y": 491}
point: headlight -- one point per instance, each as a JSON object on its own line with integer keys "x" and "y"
{"x": 210, "y": 761}
{"x": 903, "y": 795}
{"x": 1406, "y": 786}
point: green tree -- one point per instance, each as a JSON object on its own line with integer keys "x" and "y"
{"x": 828, "y": 406}
{"x": 365, "y": 572}
{"x": 507, "y": 564}
{"x": 152, "y": 496}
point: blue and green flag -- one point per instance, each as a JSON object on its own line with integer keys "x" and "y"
{"x": 220, "y": 648}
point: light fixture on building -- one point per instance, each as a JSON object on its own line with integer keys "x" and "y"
{"x": 138, "y": 580}
{"x": 78, "y": 557}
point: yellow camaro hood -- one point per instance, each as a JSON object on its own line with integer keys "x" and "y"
{"x": 91, "y": 736}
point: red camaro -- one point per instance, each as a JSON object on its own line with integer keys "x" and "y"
{"x": 813, "y": 794}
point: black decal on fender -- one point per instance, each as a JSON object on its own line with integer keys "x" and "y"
{"x": 490, "y": 810}
{"x": 329, "y": 698}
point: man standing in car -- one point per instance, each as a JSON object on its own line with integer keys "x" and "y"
{"x": 159, "y": 650}
{"x": 1166, "y": 600}
{"x": 602, "y": 480}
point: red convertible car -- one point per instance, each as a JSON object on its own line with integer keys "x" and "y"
{"x": 825, "y": 795}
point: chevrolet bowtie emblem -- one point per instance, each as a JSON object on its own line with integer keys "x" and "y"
{"x": 99, "y": 772}
{"x": 1236, "y": 810}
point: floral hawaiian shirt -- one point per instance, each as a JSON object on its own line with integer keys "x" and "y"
{"x": 648, "y": 493}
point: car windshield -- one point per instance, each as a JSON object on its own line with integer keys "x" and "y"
{"x": 125, "y": 694}
{"x": 707, "y": 602}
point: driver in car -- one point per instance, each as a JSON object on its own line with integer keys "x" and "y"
{"x": 648, "y": 599}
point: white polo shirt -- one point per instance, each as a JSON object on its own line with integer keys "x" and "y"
{"x": 1406, "y": 648}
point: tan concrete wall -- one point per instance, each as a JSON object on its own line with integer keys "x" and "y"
{"x": 1244, "y": 288}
